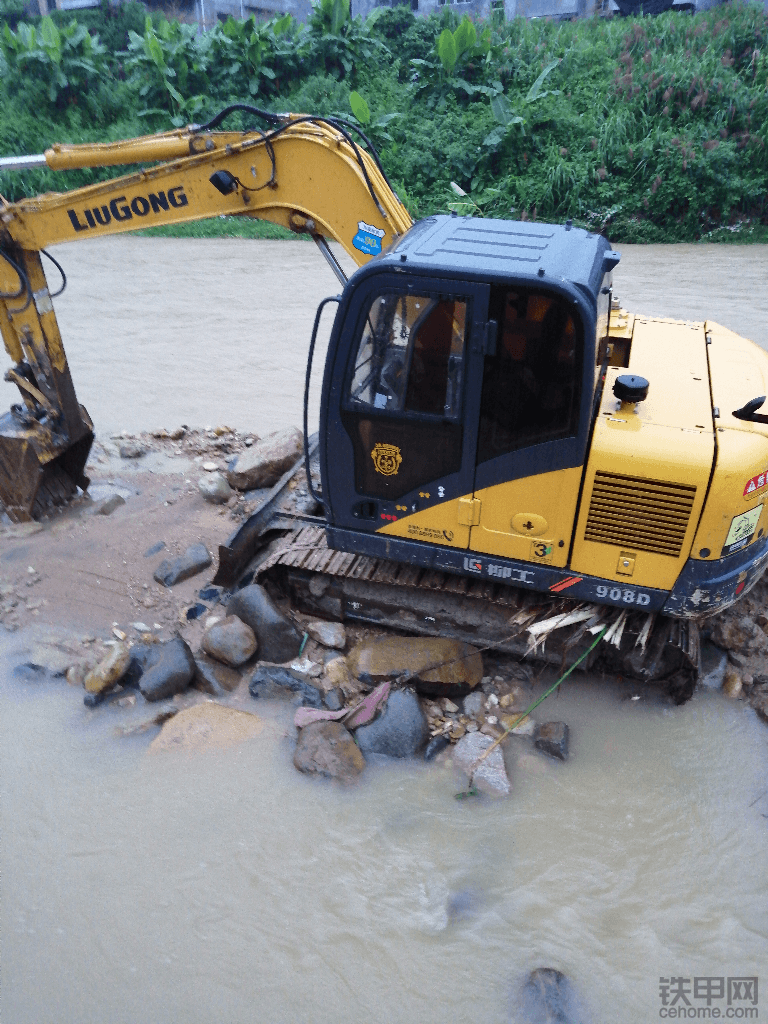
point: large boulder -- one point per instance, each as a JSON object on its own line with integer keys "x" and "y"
{"x": 433, "y": 665}
{"x": 278, "y": 638}
{"x": 265, "y": 462}
{"x": 326, "y": 748}
{"x": 230, "y": 641}
{"x": 401, "y": 730}
{"x": 206, "y": 726}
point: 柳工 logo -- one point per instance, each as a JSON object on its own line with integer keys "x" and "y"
{"x": 386, "y": 459}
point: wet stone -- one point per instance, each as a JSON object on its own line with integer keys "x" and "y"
{"x": 490, "y": 775}
{"x": 439, "y": 667}
{"x": 401, "y": 729}
{"x": 230, "y": 641}
{"x": 174, "y": 570}
{"x": 334, "y": 699}
{"x": 108, "y": 506}
{"x": 713, "y": 665}
{"x": 195, "y": 611}
{"x": 131, "y": 450}
{"x": 215, "y": 489}
{"x": 436, "y": 746}
{"x": 329, "y": 634}
{"x": 213, "y": 677}
{"x": 264, "y": 462}
{"x": 548, "y": 998}
{"x": 110, "y": 670}
{"x": 474, "y": 704}
{"x": 552, "y": 738}
{"x": 274, "y": 681}
{"x": 328, "y": 749}
{"x": 278, "y": 638}
{"x": 167, "y": 669}
{"x": 207, "y": 726}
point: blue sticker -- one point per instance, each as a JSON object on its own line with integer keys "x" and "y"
{"x": 368, "y": 238}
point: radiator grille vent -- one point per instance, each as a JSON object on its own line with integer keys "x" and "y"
{"x": 647, "y": 515}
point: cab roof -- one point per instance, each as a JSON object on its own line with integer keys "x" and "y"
{"x": 505, "y": 250}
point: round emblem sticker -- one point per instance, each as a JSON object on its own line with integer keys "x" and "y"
{"x": 386, "y": 459}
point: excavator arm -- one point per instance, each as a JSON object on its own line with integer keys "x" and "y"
{"x": 305, "y": 173}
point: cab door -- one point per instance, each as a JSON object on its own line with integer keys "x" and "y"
{"x": 533, "y": 425}
{"x": 401, "y": 409}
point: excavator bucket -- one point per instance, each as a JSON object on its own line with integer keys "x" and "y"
{"x": 46, "y": 439}
{"x": 36, "y": 473}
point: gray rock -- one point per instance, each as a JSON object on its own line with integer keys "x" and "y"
{"x": 548, "y": 998}
{"x": 166, "y": 669}
{"x": 552, "y": 739}
{"x": 108, "y": 506}
{"x": 131, "y": 450}
{"x": 265, "y": 462}
{"x": 230, "y": 641}
{"x": 213, "y": 677}
{"x": 279, "y": 640}
{"x": 329, "y": 634}
{"x": 174, "y": 570}
{"x": 474, "y": 703}
{"x": 274, "y": 680}
{"x": 215, "y": 489}
{"x": 490, "y": 775}
{"x": 713, "y": 665}
{"x": 326, "y": 748}
{"x": 334, "y": 699}
{"x": 154, "y": 549}
{"x": 401, "y": 729}
{"x": 436, "y": 746}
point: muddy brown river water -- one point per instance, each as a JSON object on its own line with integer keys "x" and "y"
{"x": 225, "y": 887}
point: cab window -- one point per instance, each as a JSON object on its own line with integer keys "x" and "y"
{"x": 532, "y": 383}
{"x": 410, "y": 356}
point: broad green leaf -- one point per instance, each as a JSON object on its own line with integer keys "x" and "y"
{"x": 446, "y": 50}
{"x": 501, "y": 109}
{"x": 535, "y": 90}
{"x": 49, "y": 34}
{"x": 360, "y": 108}
{"x": 339, "y": 15}
{"x": 458, "y": 189}
{"x": 156, "y": 52}
{"x": 470, "y": 90}
{"x": 268, "y": 73}
{"x": 465, "y": 36}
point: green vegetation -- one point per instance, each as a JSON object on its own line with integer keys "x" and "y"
{"x": 648, "y": 129}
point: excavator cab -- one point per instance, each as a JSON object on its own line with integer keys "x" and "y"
{"x": 458, "y": 394}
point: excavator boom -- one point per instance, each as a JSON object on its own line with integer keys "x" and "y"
{"x": 306, "y": 174}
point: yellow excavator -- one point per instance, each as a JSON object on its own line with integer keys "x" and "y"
{"x": 494, "y": 428}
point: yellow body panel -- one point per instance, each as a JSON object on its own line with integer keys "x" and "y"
{"x": 439, "y": 524}
{"x": 530, "y": 519}
{"x": 666, "y": 440}
{"x": 742, "y": 466}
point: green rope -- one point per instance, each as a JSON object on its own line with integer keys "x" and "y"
{"x": 472, "y": 791}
